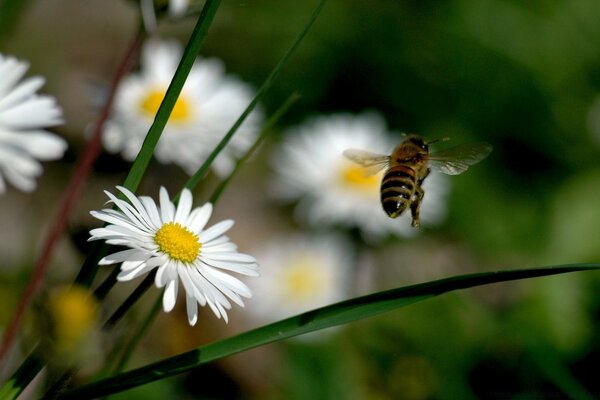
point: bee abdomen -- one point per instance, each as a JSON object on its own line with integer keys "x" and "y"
{"x": 397, "y": 189}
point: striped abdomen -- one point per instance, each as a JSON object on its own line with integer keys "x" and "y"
{"x": 397, "y": 189}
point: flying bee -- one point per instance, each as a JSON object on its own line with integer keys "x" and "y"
{"x": 408, "y": 166}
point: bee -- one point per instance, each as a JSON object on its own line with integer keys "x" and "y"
{"x": 408, "y": 166}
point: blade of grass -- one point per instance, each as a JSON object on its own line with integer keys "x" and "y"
{"x": 201, "y": 172}
{"x": 266, "y": 130}
{"x": 325, "y": 317}
{"x": 190, "y": 54}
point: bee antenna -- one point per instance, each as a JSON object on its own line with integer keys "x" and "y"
{"x": 444, "y": 139}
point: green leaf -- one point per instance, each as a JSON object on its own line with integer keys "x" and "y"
{"x": 325, "y": 317}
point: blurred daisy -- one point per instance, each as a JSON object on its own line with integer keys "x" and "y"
{"x": 178, "y": 7}
{"x": 173, "y": 239}
{"x": 299, "y": 274}
{"x": 334, "y": 190}
{"x": 23, "y": 116}
{"x": 207, "y": 107}
{"x": 70, "y": 318}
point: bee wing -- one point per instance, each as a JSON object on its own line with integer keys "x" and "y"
{"x": 457, "y": 160}
{"x": 372, "y": 162}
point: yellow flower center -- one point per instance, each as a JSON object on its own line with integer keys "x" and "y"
{"x": 302, "y": 280}
{"x": 355, "y": 177}
{"x": 74, "y": 312}
{"x": 178, "y": 242}
{"x": 150, "y": 103}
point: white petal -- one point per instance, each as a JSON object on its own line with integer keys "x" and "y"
{"x": 25, "y": 89}
{"x": 118, "y": 222}
{"x": 36, "y": 112}
{"x": 230, "y": 256}
{"x": 184, "y": 207}
{"x": 166, "y": 207}
{"x": 192, "y": 309}
{"x": 230, "y": 281}
{"x": 244, "y": 269}
{"x": 131, "y": 212}
{"x": 133, "y": 273}
{"x": 199, "y": 217}
{"x": 125, "y": 255}
{"x": 142, "y": 214}
{"x": 170, "y": 295}
{"x": 162, "y": 274}
{"x": 215, "y": 230}
{"x": 152, "y": 211}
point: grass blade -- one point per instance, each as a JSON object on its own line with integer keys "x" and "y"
{"x": 325, "y": 317}
{"x": 201, "y": 172}
{"x": 164, "y": 110}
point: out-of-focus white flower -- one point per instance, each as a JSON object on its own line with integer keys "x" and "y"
{"x": 334, "y": 190}
{"x": 206, "y": 109}
{"x": 178, "y": 7}
{"x": 298, "y": 274}
{"x": 23, "y": 116}
{"x": 173, "y": 239}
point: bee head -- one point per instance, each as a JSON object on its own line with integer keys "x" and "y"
{"x": 419, "y": 142}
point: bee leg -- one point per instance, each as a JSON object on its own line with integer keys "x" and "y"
{"x": 415, "y": 205}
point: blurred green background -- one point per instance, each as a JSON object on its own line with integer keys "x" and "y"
{"x": 520, "y": 75}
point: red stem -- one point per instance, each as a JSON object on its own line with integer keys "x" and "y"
{"x": 80, "y": 175}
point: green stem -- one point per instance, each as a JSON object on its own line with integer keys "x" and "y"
{"x": 197, "y": 177}
{"x": 266, "y": 130}
{"x": 321, "y": 318}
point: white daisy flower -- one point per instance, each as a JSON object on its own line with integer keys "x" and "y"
{"x": 173, "y": 239}
{"x": 23, "y": 116}
{"x": 207, "y": 107}
{"x": 300, "y": 273}
{"x": 334, "y": 190}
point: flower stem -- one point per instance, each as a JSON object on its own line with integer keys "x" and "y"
{"x": 72, "y": 192}
{"x": 201, "y": 172}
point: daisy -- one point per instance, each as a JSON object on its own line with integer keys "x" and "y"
{"x": 207, "y": 107}
{"x": 334, "y": 190}
{"x": 23, "y": 116}
{"x": 173, "y": 239}
{"x": 300, "y": 273}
